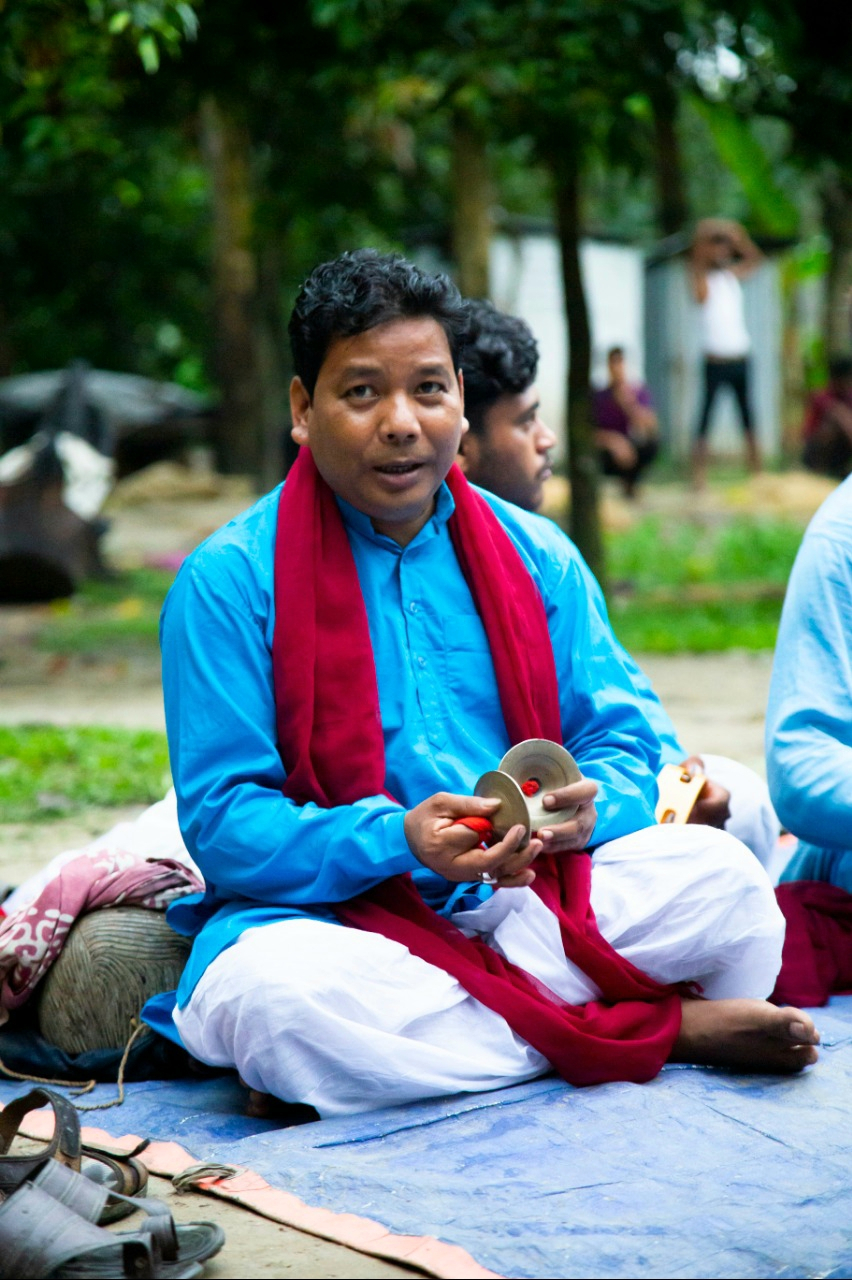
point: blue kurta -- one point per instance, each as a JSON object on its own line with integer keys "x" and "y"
{"x": 264, "y": 857}
{"x": 809, "y": 718}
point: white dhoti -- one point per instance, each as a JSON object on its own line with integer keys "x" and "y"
{"x": 348, "y": 1021}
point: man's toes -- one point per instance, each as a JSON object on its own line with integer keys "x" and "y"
{"x": 799, "y": 1027}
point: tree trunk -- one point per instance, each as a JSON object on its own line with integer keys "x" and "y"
{"x": 836, "y": 195}
{"x": 672, "y": 204}
{"x": 273, "y": 362}
{"x": 584, "y": 521}
{"x": 225, "y": 148}
{"x": 471, "y": 214}
{"x": 7, "y": 361}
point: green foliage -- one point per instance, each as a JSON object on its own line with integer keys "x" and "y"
{"x": 689, "y": 587}
{"x": 773, "y": 211}
{"x": 114, "y": 618}
{"x": 46, "y": 772}
{"x": 696, "y": 628}
{"x": 657, "y": 552}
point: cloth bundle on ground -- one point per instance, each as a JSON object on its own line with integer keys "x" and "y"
{"x": 32, "y": 938}
{"x": 110, "y": 953}
{"x": 323, "y": 659}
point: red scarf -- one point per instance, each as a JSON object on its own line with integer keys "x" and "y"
{"x": 332, "y": 745}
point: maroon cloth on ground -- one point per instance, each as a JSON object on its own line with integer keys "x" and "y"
{"x": 331, "y": 743}
{"x": 817, "y": 959}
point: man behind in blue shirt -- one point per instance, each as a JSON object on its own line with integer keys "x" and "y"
{"x": 809, "y": 718}
{"x": 507, "y": 451}
{"x": 345, "y": 1019}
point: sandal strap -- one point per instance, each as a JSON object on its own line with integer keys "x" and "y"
{"x": 38, "y": 1235}
{"x": 159, "y": 1225}
{"x": 128, "y": 1177}
{"x": 77, "y": 1192}
{"x": 63, "y": 1146}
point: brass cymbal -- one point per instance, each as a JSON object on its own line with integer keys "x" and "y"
{"x": 551, "y": 766}
{"x": 513, "y": 810}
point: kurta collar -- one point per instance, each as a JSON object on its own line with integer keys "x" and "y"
{"x": 362, "y": 524}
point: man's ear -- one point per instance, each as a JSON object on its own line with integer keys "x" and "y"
{"x": 465, "y": 424}
{"x": 468, "y": 455}
{"x": 300, "y": 411}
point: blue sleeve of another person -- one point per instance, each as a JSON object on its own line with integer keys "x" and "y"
{"x": 809, "y": 718}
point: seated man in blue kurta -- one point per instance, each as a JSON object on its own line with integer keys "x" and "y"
{"x": 280, "y": 983}
{"x": 809, "y": 718}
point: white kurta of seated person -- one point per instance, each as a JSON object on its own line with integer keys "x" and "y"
{"x": 348, "y": 1021}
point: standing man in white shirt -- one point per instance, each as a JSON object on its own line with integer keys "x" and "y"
{"x": 723, "y": 254}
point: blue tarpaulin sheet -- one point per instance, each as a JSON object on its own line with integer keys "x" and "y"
{"x": 697, "y": 1174}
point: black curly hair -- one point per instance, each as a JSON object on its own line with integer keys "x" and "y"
{"x": 499, "y": 357}
{"x": 362, "y": 289}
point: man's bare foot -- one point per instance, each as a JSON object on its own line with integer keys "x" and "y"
{"x": 261, "y": 1106}
{"x": 748, "y": 1035}
{"x": 265, "y": 1106}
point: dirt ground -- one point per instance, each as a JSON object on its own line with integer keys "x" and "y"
{"x": 717, "y": 702}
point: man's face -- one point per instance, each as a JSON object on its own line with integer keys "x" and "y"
{"x": 617, "y": 372}
{"x": 385, "y": 421}
{"x": 720, "y": 250}
{"x": 510, "y": 455}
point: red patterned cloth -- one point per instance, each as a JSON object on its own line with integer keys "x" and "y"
{"x": 32, "y": 938}
{"x": 323, "y": 665}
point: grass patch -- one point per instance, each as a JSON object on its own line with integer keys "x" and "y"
{"x": 120, "y": 616}
{"x": 693, "y": 587}
{"x": 644, "y": 627}
{"x": 46, "y": 772}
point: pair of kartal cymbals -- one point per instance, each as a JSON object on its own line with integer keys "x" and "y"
{"x": 537, "y": 760}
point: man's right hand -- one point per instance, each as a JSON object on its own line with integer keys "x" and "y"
{"x": 435, "y": 837}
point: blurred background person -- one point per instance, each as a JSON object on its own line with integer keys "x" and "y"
{"x": 827, "y": 429}
{"x": 625, "y": 424}
{"x": 507, "y": 448}
{"x": 723, "y": 254}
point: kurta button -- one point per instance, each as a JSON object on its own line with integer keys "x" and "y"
{"x": 421, "y": 662}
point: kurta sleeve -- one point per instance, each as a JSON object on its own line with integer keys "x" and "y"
{"x": 672, "y": 751}
{"x": 809, "y": 718}
{"x": 604, "y": 721}
{"x": 248, "y": 839}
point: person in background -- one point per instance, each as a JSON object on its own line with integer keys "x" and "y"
{"x": 809, "y": 756}
{"x": 723, "y": 254}
{"x": 499, "y": 362}
{"x": 827, "y": 430}
{"x": 625, "y": 425}
{"x": 507, "y": 447}
{"x": 809, "y": 717}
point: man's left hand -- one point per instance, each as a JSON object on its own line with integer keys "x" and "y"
{"x": 576, "y": 833}
{"x": 713, "y": 806}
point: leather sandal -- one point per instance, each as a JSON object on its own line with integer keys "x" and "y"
{"x": 41, "y": 1239}
{"x": 174, "y": 1251}
{"x": 47, "y": 1227}
{"x": 120, "y": 1177}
